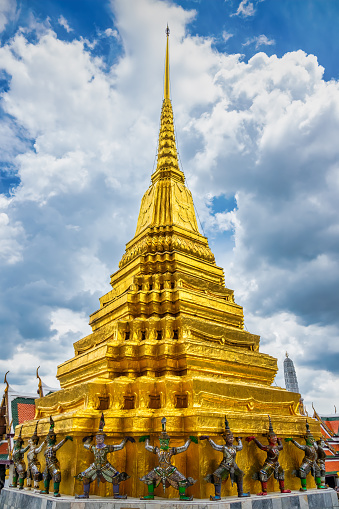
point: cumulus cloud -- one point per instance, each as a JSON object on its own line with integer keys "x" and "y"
{"x": 263, "y": 131}
{"x": 7, "y": 12}
{"x": 276, "y": 125}
{"x": 10, "y": 242}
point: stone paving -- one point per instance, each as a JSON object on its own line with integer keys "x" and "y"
{"x": 313, "y": 499}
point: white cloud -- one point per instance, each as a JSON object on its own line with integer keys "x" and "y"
{"x": 245, "y": 9}
{"x": 226, "y": 35}
{"x": 260, "y": 40}
{"x": 111, "y": 33}
{"x": 270, "y": 139}
{"x": 306, "y": 345}
{"x": 11, "y": 240}
{"x": 265, "y": 131}
{"x": 7, "y": 12}
{"x": 64, "y": 23}
{"x": 64, "y": 321}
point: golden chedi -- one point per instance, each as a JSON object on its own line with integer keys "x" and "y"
{"x": 169, "y": 340}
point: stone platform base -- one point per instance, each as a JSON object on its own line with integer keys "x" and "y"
{"x": 313, "y": 499}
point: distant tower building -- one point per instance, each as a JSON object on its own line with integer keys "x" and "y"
{"x": 291, "y": 381}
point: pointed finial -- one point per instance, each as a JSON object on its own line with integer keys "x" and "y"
{"x": 5, "y": 382}
{"x": 163, "y": 424}
{"x": 286, "y": 354}
{"x": 4, "y": 401}
{"x": 167, "y": 82}
{"x": 39, "y": 391}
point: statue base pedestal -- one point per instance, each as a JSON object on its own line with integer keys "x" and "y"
{"x": 312, "y": 499}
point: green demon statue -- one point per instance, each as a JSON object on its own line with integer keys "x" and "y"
{"x": 34, "y": 467}
{"x": 52, "y": 467}
{"x": 320, "y": 465}
{"x": 271, "y": 465}
{"x": 101, "y": 469}
{"x": 19, "y": 470}
{"x": 309, "y": 461}
{"x": 228, "y": 467}
{"x": 165, "y": 472}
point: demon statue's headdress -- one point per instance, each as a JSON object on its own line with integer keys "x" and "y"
{"x": 227, "y": 431}
{"x": 35, "y": 437}
{"x": 163, "y": 434}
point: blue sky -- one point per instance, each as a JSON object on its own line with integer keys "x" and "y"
{"x": 255, "y": 92}
{"x": 310, "y": 25}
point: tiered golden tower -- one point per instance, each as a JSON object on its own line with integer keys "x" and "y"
{"x": 168, "y": 340}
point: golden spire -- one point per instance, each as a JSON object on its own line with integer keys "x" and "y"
{"x": 167, "y": 82}
{"x": 167, "y": 165}
{"x": 167, "y": 203}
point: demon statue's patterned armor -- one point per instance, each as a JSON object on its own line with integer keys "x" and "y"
{"x": 165, "y": 472}
{"x": 309, "y": 461}
{"x": 228, "y": 466}
{"x": 101, "y": 469}
{"x": 19, "y": 464}
{"x": 320, "y": 465}
{"x": 271, "y": 465}
{"x": 52, "y": 467}
{"x": 34, "y": 467}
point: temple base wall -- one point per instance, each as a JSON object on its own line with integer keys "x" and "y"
{"x": 198, "y": 461}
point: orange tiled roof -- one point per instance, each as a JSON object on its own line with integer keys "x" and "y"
{"x": 4, "y": 449}
{"x": 332, "y": 466}
{"x": 333, "y": 425}
{"x": 26, "y": 412}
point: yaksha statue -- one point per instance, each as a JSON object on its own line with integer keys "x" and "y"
{"x": 34, "y": 467}
{"x": 228, "y": 467}
{"x": 165, "y": 472}
{"x": 320, "y": 465}
{"x": 19, "y": 464}
{"x": 101, "y": 469}
{"x": 271, "y": 465}
{"x": 309, "y": 461}
{"x": 52, "y": 467}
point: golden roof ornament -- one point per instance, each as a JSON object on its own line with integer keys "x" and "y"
{"x": 40, "y": 390}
